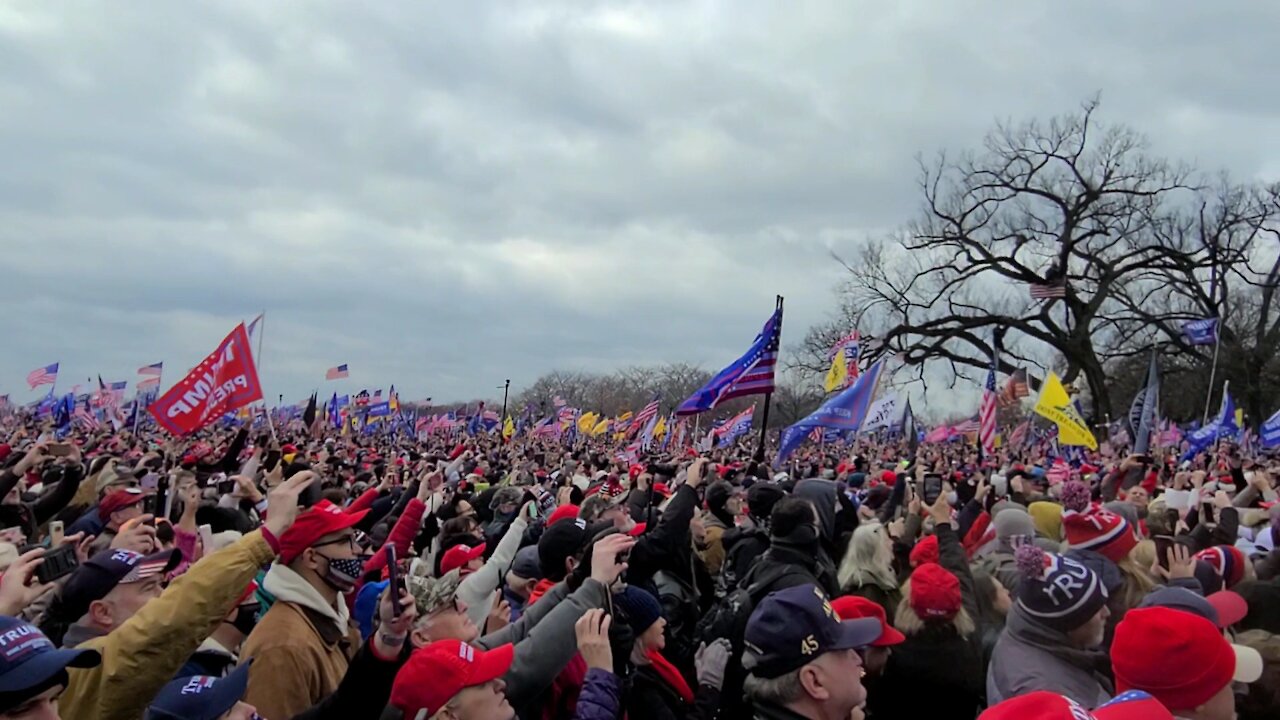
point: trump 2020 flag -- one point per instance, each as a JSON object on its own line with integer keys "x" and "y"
{"x": 1201, "y": 332}
{"x": 1271, "y": 431}
{"x": 751, "y": 374}
{"x": 223, "y": 382}
{"x": 845, "y": 411}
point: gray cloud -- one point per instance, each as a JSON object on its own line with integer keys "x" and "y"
{"x": 445, "y": 195}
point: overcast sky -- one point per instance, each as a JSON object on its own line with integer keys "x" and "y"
{"x": 443, "y": 195}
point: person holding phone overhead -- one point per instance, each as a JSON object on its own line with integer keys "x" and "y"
{"x": 63, "y": 473}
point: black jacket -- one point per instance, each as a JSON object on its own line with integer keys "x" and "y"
{"x": 651, "y": 698}
{"x": 60, "y": 486}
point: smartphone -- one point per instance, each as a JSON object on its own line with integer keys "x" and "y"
{"x": 273, "y": 458}
{"x": 932, "y": 488}
{"x": 1164, "y": 543}
{"x": 206, "y": 537}
{"x": 226, "y": 486}
{"x": 1229, "y": 521}
{"x": 60, "y": 449}
{"x": 393, "y": 575}
{"x": 58, "y": 563}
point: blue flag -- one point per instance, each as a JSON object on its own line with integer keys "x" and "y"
{"x": 1271, "y": 431}
{"x": 1201, "y": 332}
{"x": 845, "y": 411}
{"x": 1223, "y": 424}
{"x": 1145, "y": 406}
{"x": 751, "y": 374}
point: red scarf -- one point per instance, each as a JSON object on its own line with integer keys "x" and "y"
{"x": 670, "y": 675}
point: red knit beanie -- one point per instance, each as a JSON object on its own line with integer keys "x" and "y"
{"x": 1227, "y": 561}
{"x": 1090, "y": 527}
{"x": 935, "y": 592}
{"x": 925, "y": 551}
{"x": 1180, "y": 658}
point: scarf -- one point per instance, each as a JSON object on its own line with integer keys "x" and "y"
{"x": 288, "y": 586}
{"x": 670, "y": 675}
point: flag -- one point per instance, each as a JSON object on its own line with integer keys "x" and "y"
{"x": 336, "y": 373}
{"x": 1271, "y": 431}
{"x": 1223, "y": 424}
{"x": 1020, "y": 434}
{"x": 1145, "y": 404}
{"x": 909, "y": 429}
{"x": 1055, "y": 405}
{"x": 1059, "y": 472}
{"x": 1015, "y": 388}
{"x": 223, "y": 382}
{"x": 647, "y": 413}
{"x": 1049, "y": 290}
{"x": 150, "y": 376}
{"x": 46, "y": 375}
{"x": 309, "y": 415}
{"x": 1201, "y": 332}
{"x": 736, "y": 427}
{"x": 508, "y": 429}
{"x": 838, "y": 375}
{"x": 987, "y": 415}
{"x": 646, "y": 435}
{"x": 845, "y": 411}
{"x": 253, "y": 326}
{"x": 751, "y": 374}
{"x": 601, "y": 427}
{"x": 883, "y": 413}
{"x": 940, "y": 434}
{"x": 660, "y": 429}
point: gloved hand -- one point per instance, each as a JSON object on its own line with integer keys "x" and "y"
{"x": 710, "y": 661}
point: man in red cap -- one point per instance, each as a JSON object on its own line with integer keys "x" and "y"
{"x": 303, "y": 645}
{"x": 1183, "y": 660}
{"x": 451, "y": 679}
{"x": 874, "y": 657}
{"x": 116, "y": 509}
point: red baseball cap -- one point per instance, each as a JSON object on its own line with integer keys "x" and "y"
{"x": 434, "y": 674}
{"x": 119, "y": 500}
{"x": 458, "y": 556}
{"x": 852, "y": 607}
{"x": 925, "y": 551}
{"x": 324, "y": 518}
{"x": 564, "y": 512}
{"x": 1044, "y": 705}
{"x": 935, "y": 592}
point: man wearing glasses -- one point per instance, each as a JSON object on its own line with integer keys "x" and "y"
{"x": 302, "y": 646}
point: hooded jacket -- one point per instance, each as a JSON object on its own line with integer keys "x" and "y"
{"x": 1030, "y": 656}
{"x": 822, "y": 494}
{"x": 300, "y": 648}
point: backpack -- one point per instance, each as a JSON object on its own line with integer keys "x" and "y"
{"x": 728, "y": 619}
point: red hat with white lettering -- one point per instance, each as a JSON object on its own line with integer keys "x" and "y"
{"x": 1044, "y": 705}
{"x": 1090, "y": 527}
{"x": 436, "y": 673}
{"x": 459, "y": 556}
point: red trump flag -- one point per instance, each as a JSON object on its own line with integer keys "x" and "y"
{"x": 223, "y": 382}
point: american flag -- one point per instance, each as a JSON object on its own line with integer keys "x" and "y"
{"x": 336, "y": 373}
{"x": 1059, "y": 472}
{"x": 987, "y": 415}
{"x": 1019, "y": 434}
{"x": 150, "y": 376}
{"x": 85, "y": 419}
{"x": 254, "y": 325}
{"x": 646, "y": 413}
{"x": 46, "y": 375}
{"x": 1016, "y": 388}
{"x": 965, "y": 427}
{"x": 1049, "y": 290}
{"x": 751, "y": 374}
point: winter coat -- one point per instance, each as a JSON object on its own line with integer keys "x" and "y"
{"x": 936, "y": 673}
{"x": 477, "y": 588}
{"x": 60, "y": 483}
{"x": 652, "y": 698}
{"x": 143, "y": 654}
{"x": 601, "y": 696}
{"x": 365, "y": 687}
{"x": 713, "y": 549}
{"x": 300, "y": 648}
{"x": 1031, "y": 656}
{"x": 742, "y": 547}
{"x": 210, "y": 659}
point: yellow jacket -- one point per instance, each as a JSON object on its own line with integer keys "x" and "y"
{"x": 144, "y": 653}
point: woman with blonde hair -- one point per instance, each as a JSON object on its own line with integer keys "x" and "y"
{"x": 867, "y": 568}
{"x": 938, "y": 671}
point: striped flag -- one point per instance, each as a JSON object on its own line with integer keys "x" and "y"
{"x": 647, "y": 413}
{"x": 1020, "y": 433}
{"x": 150, "y": 376}
{"x": 751, "y": 374}
{"x": 336, "y": 373}
{"x": 1049, "y": 290}
{"x": 1015, "y": 388}
{"x": 46, "y": 375}
{"x": 987, "y": 415}
{"x": 965, "y": 427}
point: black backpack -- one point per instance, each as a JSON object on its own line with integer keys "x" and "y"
{"x": 728, "y": 619}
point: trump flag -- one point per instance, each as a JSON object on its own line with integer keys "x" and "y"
{"x": 223, "y": 382}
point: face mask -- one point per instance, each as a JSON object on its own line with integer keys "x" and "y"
{"x": 246, "y": 618}
{"x": 343, "y": 574}
{"x": 951, "y": 498}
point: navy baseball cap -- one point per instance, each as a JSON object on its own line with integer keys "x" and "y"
{"x": 102, "y": 572}
{"x": 28, "y": 659}
{"x": 792, "y": 627}
{"x": 199, "y": 697}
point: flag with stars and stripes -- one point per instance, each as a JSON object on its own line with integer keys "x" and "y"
{"x": 751, "y": 374}
{"x": 987, "y": 415}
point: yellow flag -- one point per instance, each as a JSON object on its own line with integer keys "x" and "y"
{"x": 660, "y": 428}
{"x": 1055, "y": 405}
{"x": 838, "y": 375}
{"x": 508, "y": 429}
{"x": 600, "y": 427}
{"x": 1239, "y": 417}
{"x": 586, "y": 422}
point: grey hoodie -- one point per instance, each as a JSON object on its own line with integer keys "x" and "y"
{"x": 1030, "y": 656}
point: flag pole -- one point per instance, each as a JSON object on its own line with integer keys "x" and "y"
{"x": 1213, "y": 369}
{"x": 262, "y": 323}
{"x": 768, "y": 397}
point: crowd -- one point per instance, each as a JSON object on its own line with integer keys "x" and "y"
{"x": 307, "y": 573}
